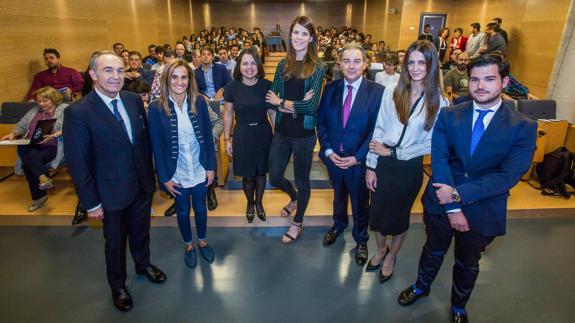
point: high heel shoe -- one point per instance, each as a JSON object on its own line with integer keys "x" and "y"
{"x": 383, "y": 278}
{"x": 250, "y": 213}
{"x": 260, "y": 212}
{"x": 371, "y": 266}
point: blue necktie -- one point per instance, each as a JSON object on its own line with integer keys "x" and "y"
{"x": 478, "y": 129}
{"x": 117, "y": 114}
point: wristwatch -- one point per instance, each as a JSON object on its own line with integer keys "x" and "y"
{"x": 455, "y": 196}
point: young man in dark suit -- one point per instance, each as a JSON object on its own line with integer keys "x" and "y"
{"x": 109, "y": 156}
{"x": 479, "y": 151}
{"x": 346, "y": 119}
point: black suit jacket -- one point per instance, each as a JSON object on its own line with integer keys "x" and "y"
{"x": 105, "y": 166}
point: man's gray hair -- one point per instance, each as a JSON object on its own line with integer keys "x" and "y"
{"x": 352, "y": 46}
{"x": 96, "y": 55}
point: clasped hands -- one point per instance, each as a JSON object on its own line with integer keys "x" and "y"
{"x": 274, "y": 99}
{"x": 342, "y": 162}
{"x": 457, "y": 220}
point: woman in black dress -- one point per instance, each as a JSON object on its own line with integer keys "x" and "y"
{"x": 245, "y": 97}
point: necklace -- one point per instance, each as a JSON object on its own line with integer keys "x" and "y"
{"x": 250, "y": 83}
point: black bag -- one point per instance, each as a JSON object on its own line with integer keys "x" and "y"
{"x": 556, "y": 172}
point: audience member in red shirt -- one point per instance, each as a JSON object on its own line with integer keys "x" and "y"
{"x": 458, "y": 41}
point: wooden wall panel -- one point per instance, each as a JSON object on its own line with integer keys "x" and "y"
{"x": 77, "y": 28}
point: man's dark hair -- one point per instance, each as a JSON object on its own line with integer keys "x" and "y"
{"x": 249, "y": 51}
{"x": 138, "y": 86}
{"x": 160, "y": 50}
{"x": 209, "y": 49}
{"x": 180, "y": 43}
{"x": 391, "y": 59}
{"x": 222, "y": 48}
{"x": 151, "y": 46}
{"x": 476, "y": 25}
{"x": 134, "y": 52}
{"x": 116, "y": 44}
{"x": 493, "y": 26}
{"x": 235, "y": 45}
{"x": 51, "y": 51}
{"x": 490, "y": 59}
{"x": 427, "y": 26}
{"x": 400, "y": 51}
{"x": 498, "y": 20}
{"x": 169, "y": 53}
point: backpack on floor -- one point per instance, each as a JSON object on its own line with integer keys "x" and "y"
{"x": 557, "y": 173}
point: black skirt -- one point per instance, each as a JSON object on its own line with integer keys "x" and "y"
{"x": 398, "y": 183}
{"x": 251, "y": 148}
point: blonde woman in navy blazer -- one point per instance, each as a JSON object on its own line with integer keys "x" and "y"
{"x": 184, "y": 154}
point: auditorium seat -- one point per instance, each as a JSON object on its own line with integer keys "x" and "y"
{"x": 538, "y": 109}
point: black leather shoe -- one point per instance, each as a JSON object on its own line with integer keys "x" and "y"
{"x": 459, "y": 318}
{"x": 408, "y": 296}
{"x": 171, "y": 210}
{"x": 373, "y": 267}
{"x": 122, "y": 299}
{"x": 330, "y": 237}
{"x": 211, "y": 198}
{"x": 261, "y": 213}
{"x": 383, "y": 278}
{"x": 153, "y": 274}
{"x": 79, "y": 216}
{"x": 361, "y": 254}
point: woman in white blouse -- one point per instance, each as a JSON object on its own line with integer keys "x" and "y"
{"x": 401, "y": 137}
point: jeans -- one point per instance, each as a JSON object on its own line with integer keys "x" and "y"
{"x": 280, "y": 152}
{"x": 198, "y": 196}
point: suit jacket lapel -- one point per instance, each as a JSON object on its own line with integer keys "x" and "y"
{"x": 133, "y": 115}
{"x": 339, "y": 103}
{"x": 467, "y": 122}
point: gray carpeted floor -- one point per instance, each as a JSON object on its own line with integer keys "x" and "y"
{"x": 56, "y": 274}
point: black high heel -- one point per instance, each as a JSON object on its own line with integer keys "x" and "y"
{"x": 383, "y": 278}
{"x": 250, "y": 213}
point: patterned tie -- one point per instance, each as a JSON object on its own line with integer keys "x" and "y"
{"x": 478, "y": 129}
{"x": 118, "y": 116}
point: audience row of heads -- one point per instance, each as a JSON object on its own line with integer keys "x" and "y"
{"x": 474, "y": 28}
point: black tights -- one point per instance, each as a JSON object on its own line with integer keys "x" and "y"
{"x": 254, "y": 185}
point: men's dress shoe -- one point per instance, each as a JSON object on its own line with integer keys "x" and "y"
{"x": 330, "y": 237}
{"x": 212, "y": 199}
{"x": 459, "y": 318}
{"x": 361, "y": 254}
{"x": 153, "y": 274}
{"x": 207, "y": 253}
{"x": 122, "y": 299}
{"x": 408, "y": 296}
{"x": 171, "y": 210}
{"x": 373, "y": 267}
{"x": 79, "y": 216}
{"x": 36, "y": 204}
{"x": 383, "y": 278}
{"x": 191, "y": 258}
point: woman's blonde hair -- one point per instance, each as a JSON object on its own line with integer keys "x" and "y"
{"x": 311, "y": 60}
{"x": 165, "y": 85}
{"x": 51, "y": 94}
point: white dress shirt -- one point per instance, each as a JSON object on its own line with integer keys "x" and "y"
{"x": 121, "y": 108}
{"x": 355, "y": 87}
{"x": 189, "y": 171}
{"x": 416, "y": 141}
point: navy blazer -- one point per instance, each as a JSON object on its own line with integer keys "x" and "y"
{"x": 105, "y": 166}
{"x": 164, "y": 132}
{"x": 220, "y": 75}
{"x": 484, "y": 179}
{"x": 360, "y": 124}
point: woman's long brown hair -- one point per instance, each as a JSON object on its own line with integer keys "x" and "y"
{"x": 431, "y": 85}
{"x": 311, "y": 60}
{"x": 165, "y": 85}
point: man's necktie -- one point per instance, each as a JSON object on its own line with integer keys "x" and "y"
{"x": 346, "y": 109}
{"x": 478, "y": 129}
{"x": 118, "y": 116}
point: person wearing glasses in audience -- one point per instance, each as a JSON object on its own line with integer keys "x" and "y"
{"x": 295, "y": 93}
{"x": 401, "y": 137}
{"x": 184, "y": 156}
{"x": 250, "y": 146}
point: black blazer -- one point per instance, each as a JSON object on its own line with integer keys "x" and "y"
{"x": 105, "y": 166}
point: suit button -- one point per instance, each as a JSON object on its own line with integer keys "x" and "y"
{"x": 465, "y": 175}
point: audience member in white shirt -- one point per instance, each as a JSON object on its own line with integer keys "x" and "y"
{"x": 388, "y": 76}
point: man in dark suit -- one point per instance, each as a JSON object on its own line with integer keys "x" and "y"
{"x": 426, "y": 34}
{"x": 109, "y": 155}
{"x": 346, "y": 119}
{"x": 479, "y": 151}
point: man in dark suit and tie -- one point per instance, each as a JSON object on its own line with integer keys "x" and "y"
{"x": 109, "y": 156}
{"x": 346, "y": 119}
{"x": 479, "y": 151}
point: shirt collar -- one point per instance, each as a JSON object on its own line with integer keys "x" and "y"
{"x": 107, "y": 100}
{"x": 208, "y": 69}
{"x": 493, "y": 108}
{"x": 355, "y": 84}
{"x": 185, "y": 103}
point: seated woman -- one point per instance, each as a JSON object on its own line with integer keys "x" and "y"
{"x": 35, "y": 158}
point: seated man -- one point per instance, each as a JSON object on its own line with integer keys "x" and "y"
{"x": 136, "y": 71}
{"x": 388, "y": 75}
{"x": 225, "y": 60}
{"x": 143, "y": 89}
{"x": 452, "y": 62}
{"x": 159, "y": 50}
{"x": 64, "y": 79}
{"x": 151, "y": 58}
{"x": 211, "y": 78}
{"x": 455, "y": 82}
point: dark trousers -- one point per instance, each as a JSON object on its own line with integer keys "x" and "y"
{"x": 280, "y": 152}
{"x": 133, "y": 224}
{"x": 468, "y": 249}
{"x": 34, "y": 159}
{"x": 349, "y": 184}
{"x": 198, "y": 196}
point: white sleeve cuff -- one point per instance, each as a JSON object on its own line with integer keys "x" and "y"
{"x": 328, "y": 152}
{"x": 95, "y": 208}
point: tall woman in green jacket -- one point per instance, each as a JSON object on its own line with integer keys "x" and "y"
{"x": 295, "y": 94}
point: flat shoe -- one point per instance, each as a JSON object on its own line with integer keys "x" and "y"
{"x": 207, "y": 253}
{"x": 191, "y": 258}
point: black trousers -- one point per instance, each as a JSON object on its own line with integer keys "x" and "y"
{"x": 468, "y": 249}
{"x": 130, "y": 224}
{"x": 34, "y": 159}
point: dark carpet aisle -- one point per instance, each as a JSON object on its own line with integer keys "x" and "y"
{"x": 56, "y": 274}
